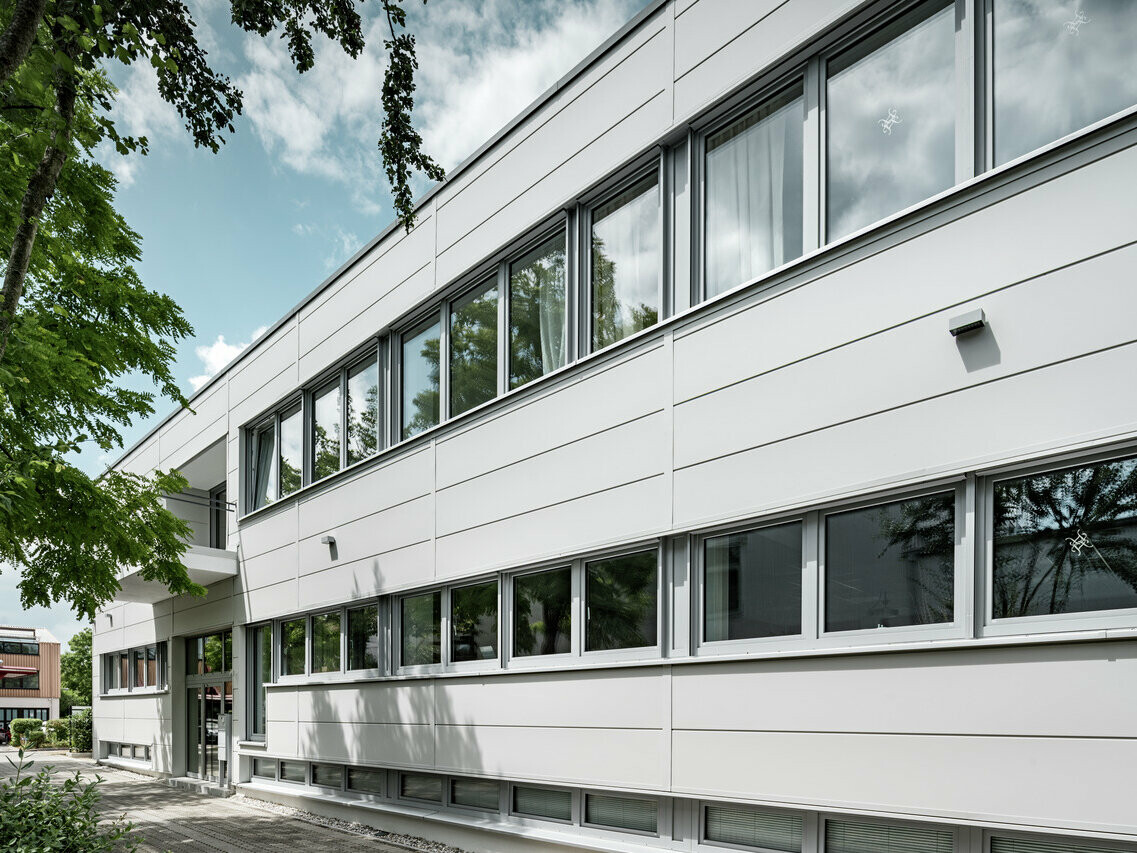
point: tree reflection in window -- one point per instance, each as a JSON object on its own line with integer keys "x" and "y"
{"x": 362, "y": 411}
{"x": 422, "y": 629}
{"x": 542, "y": 613}
{"x": 621, "y": 602}
{"x": 291, "y": 452}
{"x": 420, "y": 381}
{"x": 1066, "y": 541}
{"x": 326, "y": 431}
{"x": 473, "y": 622}
{"x": 537, "y": 313}
{"x": 473, "y": 350}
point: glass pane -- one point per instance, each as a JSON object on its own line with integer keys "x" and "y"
{"x": 1079, "y": 54}
{"x": 420, "y": 381}
{"x": 621, "y": 812}
{"x": 542, "y": 613}
{"x": 262, "y": 673}
{"x": 620, "y": 599}
{"x": 264, "y": 460}
{"x": 138, "y": 657}
{"x": 754, "y": 194}
{"x": 542, "y": 802}
{"x": 473, "y": 620}
{"x": 417, "y": 787}
{"x": 326, "y": 642}
{"x": 753, "y": 828}
{"x": 473, "y": 349}
{"x": 1050, "y": 845}
{"x": 891, "y": 565}
{"x": 214, "y": 653}
{"x": 890, "y": 113}
{"x": 265, "y": 768}
{"x": 124, "y": 669}
{"x": 362, "y": 411}
{"x": 1066, "y": 541}
{"x": 422, "y": 629}
{"x": 842, "y": 836}
{"x": 326, "y": 414}
{"x": 291, "y": 452}
{"x": 327, "y": 775}
{"x": 365, "y": 781}
{"x": 752, "y": 583}
{"x": 626, "y": 263}
{"x": 537, "y": 313}
{"x": 293, "y": 771}
{"x": 292, "y": 637}
{"x": 193, "y": 731}
{"x": 227, "y": 640}
{"x": 194, "y": 656}
{"x": 363, "y": 637}
{"x": 476, "y": 793}
{"x": 152, "y": 665}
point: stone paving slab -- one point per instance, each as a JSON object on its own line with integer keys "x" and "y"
{"x": 166, "y": 819}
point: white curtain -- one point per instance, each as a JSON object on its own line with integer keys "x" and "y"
{"x": 551, "y": 300}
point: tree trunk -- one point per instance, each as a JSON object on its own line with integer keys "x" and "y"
{"x": 41, "y": 185}
{"x": 17, "y": 38}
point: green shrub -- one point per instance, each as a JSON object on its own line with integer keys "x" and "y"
{"x": 36, "y": 738}
{"x": 58, "y": 731}
{"x": 81, "y": 731}
{"x": 38, "y": 815}
{"x": 22, "y": 727}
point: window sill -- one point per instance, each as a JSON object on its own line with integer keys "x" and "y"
{"x": 141, "y": 691}
{"x": 252, "y": 744}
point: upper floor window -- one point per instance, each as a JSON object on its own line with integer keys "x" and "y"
{"x": 18, "y": 647}
{"x": 754, "y": 192}
{"x": 276, "y": 456}
{"x": 538, "y": 313}
{"x": 327, "y": 439}
{"x": 345, "y": 418}
{"x": 209, "y": 653}
{"x": 132, "y": 669}
{"x": 627, "y": 262}
{"x": 29, "y": 681}
{"x": 362, "y": 410}
{"x": 890, "y": 119}
{"x": 473, "y": 348}
{"x": 420, "y": 377}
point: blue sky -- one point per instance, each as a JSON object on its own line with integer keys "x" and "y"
{"x": 239, "y": 237}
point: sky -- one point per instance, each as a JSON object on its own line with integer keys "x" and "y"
{"x": 239, "y": 237}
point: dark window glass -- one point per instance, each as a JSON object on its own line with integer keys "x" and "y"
{"x": 473, "y": 349}
{"x": 1058, "y": 68}
{"x": 326, "y": 416}
{"x": 365, "y": 781}
{"x": 476, "y": 793}
{"x": 138, "y": 657}
{"x": 124, "y": 669}
{"x": 1050, "y": 845}
{"x": 422, "y": 629}
{"x": 542, "y": 613}
{"x": 326, "y": 642}
{"x": 843, "y": 836}
{"x": 473, "y": 622}
{"x": 891, "y": 565}
{"x": 363, "y": 637}
{"x": 752, "y": 583}
{"x": 537, "y": 324}
{"x": 890, "y": 114}
{"x": 749, "y": 827}
{"x": 418, "y": 787}
{"x": 265, "y": 768}
{"x": 362, "y": 411}
{"x": 626, "y": 262}
{"x": 292, "y": 641}
{"x": 621, "y": 812}
{"x": 621, "y": 602}
{"x": 542, "y": 802}
{"x": 420, "y": 380}
{"x": 151, "y": 653}
{"x": 218, "y": 517}
{"x": 754, "y": 191}
{"x": 227, "y": 646}
{"x": 214, "y": 648}
{"x": 264, "y": 466}
{"x": 261, "y": 662}
{"x": 1066, "y": 541}
{"x": 327, "y": 775}
{"x": 293, "y": 771}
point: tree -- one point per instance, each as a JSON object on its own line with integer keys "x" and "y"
{"x": 75, "y": 668}
{"x": 75, "y": 320}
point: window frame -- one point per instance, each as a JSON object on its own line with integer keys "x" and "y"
{"x": 401, "y": 668}
{"x": 444, "y": 783}
{"x": 251, "y": 632}
{"x": 1011, "y": 834}
{"x": 478, "y": 665}
{"x": 280, "y": 677}
{"x": 809, "y": 837}
{"x": 960, "y": 833}
{"x": 254, "y": 777}
{"x": 381, "y": 606}
{"x": 310, "y": 658}
{"x": 477, "y": 810}
{"x": 420, "y": 322}
{"x": 576, "y": 804}
{"x": 473, "y": 286}
{"x": 662, "y": 813}
{"x": 111, "y": 670}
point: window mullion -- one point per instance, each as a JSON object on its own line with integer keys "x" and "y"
{"x": 813, "y": 160}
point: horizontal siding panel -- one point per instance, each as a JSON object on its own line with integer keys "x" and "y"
{"x": 271, "y": 567}
{"x": 191, "y": 432}
{"x": 410, "y": 566}
{"x": 271, "y": 358}
{"x": 267, "y": 602}
{"x": 371, "y": 743}
{"x": 398, "y": 527}
{"x": 408, "y": 702}
{"x": 269, "y": 530}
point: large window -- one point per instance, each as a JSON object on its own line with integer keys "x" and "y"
{"x": 890, "y": 117}
{"x": 1066, "y": 541}
{"x": 29, "y": 681}
{"x": 327, "y": 416}
{"x": 1059, "y": 67}
{"x": 18, "y": 647}
{"x": 326, "y": 642}
{"x": 752, "y": 583}
{"x": 421, "y": 629}
{"x": 131, "y": 669}
{"x": 363, "y": 637}
{"x": 473, "y": 349}
{"x": 362, "y": 410}
{"x": 621, "y": 602}
{"x": 420, "y": 379}
{"x": 209, "y": 653}
{"x": 542, "y": 613}
{"x": 293, "y": 640}
{"x": 891, "y": 565}
{"x": 754, "y": 191}
{"x": 260, "y": 674}
{"x": 538, "y": 338}
{"x": 276, "y": 452}
{"x": 473, "y": 622}
{"x": 627, "y": 262}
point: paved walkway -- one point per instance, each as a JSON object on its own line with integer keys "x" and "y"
{"x": 166, "y": 819}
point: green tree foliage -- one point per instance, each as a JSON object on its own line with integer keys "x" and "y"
{"x": 82, "y": 731}
{"x": 537, "y": 314}
{"x": 22, "y": 729}
{"x": 75, "y": 668}
{"x": 611, "y": 320}
{"x": 473, "y": 352}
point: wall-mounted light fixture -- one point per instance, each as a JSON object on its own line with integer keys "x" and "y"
{"x": 328, "y": 540}
{"x": 972, "y": 321}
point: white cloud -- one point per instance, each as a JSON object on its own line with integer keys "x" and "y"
{"x": 215, "y": 356}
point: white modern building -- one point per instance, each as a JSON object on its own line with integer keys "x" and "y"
{"x": 740, "y": 453}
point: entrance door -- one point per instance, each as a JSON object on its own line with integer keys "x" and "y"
{"x": 204, "y": 707}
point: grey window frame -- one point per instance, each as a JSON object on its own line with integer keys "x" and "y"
{"x": 279, "y": 676}
{"x": 444, "y": 785}
{"x": 488, "y": 664}
{"x": 423, "y": 320}
{"x": 253, "y": 764}
{"x": 369, "y": 796}
{"x": 382, "y": 623}
{"x": 1077, "y": 840}
{"x": 401, "y": 668}
{"x": 482, "y": 280}
{"x": 251, "y": 685}
{"x": 809, "y": 828}
{"x": 576, "y": 804}
{"x": 662, "y": 813}
{"x": 311, "y": 654}
{"x": 111, "y": 671}
{"x": 478, "y": 810}
{"x": 960, "y": 833}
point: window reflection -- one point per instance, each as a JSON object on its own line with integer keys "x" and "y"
{"x": 542, "y": 613}
{"x": 363, "y": 637}
{"x": 473, "y": 349}
{"x": 422, "y": 629}
{"x": 1066, "y": 541}
{"x": 753, "y": 583}
{"x": 362, "y": 411}
{"x": 292, "y": 636}
{"x": 1057, "y": 71}
{"x": 291, "y": 452}
{"x": 537, "y": 338}
{"x": 890, "y": 114}
{"x": 326, "y": 431}
{"x": 473, "y": 622}
{"x": 264, "y": 477}
{"x": 326, "y": 642}
{"x": 620, "y": 602}
{"x": 420, "y": 380}
{"x": 626, "y": 260}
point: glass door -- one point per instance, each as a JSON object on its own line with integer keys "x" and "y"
{"x": 193, "y": 732}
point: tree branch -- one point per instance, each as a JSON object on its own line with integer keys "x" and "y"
{"x": 17, "y": 38}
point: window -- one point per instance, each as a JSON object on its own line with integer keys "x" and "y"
{"x": 621, "y": 602}
{"x": 621, "y": 813}
{"x": 291, "y": 452}
{"x": 1050, "y": 845}
{"x": 133, "y": 669}
{"x": 842, "y": 836}
{"x": 362, "y": 410}
{"x": 891, "y": 565}
{"x": 473, "y": 622}
{"x": 209, "y": 653}
{"x": 754, "y": 191}
{"x": 366, "y": 781}
{"x": 1066, "y": 541}
{"x": 421, "y": 629}
{"x": 327, "y": 775}
{"x": 263, "y": 450}
{"x": 749, "y": 827}
{"x": 416, "y": 786}
{"x": 293, "y": 771}
{"x": 327, "y": 415}
{"x": 473, "y": 349}
{"x": 21, "y": 682}
{"x": 420, "y": 379}
{"x": 326, "y": 642}
{"x": 627, "y": 266}
{"x": 890, "y": 119}
{"x": 1081, "y": 55}
{"x": 363, "y": 637}
{"x": 260, "y": 674}
{"x": 538, "y": 314}
{"x": 218, "y": 517}
{"x": 264, "y": 768}
{"x": 752, "y": 583}
{"x": 542, "y": 802}
{"x": 542, "y": 613}
{"x": 476, "y": 794}
{"x": 292, "y": 642}
{"x": 18, "y": 647}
